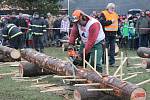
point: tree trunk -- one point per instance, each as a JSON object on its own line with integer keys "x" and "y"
{"x": 120, "y": 88}
{"x": 9, "y": 54}
{"x": 143, "y": 52}
{"x": 27, "y": 69}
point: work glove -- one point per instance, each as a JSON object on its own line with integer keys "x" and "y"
{"x": 78, "y": 61}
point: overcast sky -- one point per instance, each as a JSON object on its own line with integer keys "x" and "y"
{"x": 122, "y": 5}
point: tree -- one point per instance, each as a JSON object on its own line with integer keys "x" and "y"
{"x": 37, "y": 5}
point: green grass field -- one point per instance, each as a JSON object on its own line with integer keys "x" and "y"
{"x": 13, "y": 90}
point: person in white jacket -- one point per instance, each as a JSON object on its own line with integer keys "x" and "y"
{"x": 65, "y": 25}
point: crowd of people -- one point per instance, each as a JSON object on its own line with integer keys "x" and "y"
{"x": 133, "y": 29}
{"x": 96, "y": 31}
{"x": 36, "y": 31}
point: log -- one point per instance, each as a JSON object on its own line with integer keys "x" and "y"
{"x": 146, "y": 63}
{"x": 143, "y": 52}
{"x": 121, "y": 89}
{"x": 9, "y": 54}
{"x": 82, "y": 93}
{"x": 27, "y": 69}
{"x": 55, "y": 65}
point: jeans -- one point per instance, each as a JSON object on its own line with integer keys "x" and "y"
{"x": 90, "y": 57}
{"x": 143, "y": 40}
{"x": 38, "y": 42}
{"x": 45, "y": 39}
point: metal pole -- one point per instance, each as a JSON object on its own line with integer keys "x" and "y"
{"x": 68, "y": 6}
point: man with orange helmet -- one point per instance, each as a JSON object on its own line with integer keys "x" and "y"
{"x": 91, "y": 33}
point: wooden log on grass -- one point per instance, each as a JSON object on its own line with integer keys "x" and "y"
{"x": 9, "y": 54}
{"x": 27, "y": 69}
{"x": 143, "y": 52}
{"x": 146, "y": 63}
{"x": 120, "y": 88}
{"x": 82, "y": 93}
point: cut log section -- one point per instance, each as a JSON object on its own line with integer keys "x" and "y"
{"x": 143, "y": 52}
{"x": 9, "y": 54}
{"x": 82, "y": 93}
{"x": 120, "y": 88}
{"x": 27, "y": 69}
{"x": 146, "y": 63}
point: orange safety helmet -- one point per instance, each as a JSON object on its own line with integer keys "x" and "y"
{"x": 77, "y": 14}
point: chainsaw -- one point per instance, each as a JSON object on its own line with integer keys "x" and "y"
{"x": 74, "y": 56}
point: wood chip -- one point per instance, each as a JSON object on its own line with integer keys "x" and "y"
{"x": 44, "y": 85}
{"x": 54, "y": 89}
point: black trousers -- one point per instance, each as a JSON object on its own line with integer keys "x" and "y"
{"x": 17, "y": 42}
{"x": 38, "y": 42}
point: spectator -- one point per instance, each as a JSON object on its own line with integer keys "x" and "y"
{"x": 45, "y": 35}
{"x": 141, "y": 28}
{"x": 65, "y": 25}
{"x": 22, "y": 24}
{"x": 57, "y": 25}
{"x": 147, "y": 12}
{"x": 37, "y": 28}
{"x": 109, "y": 21}
{"x": 50, "y": 20}
{"x": 13, "y": 18}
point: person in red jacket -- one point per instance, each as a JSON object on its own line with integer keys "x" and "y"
{"x": 91, "y": 33}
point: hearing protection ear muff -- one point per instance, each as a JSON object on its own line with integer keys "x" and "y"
{"x": 83, "y": 17}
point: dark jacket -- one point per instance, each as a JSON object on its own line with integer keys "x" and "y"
{"x": 10, "y": 31}
{"x": 37, "y": 26}
{"x": 21, "y": 22}
{"x": 143, "y": 22}
{"x": 57, "y": 24}
{"x": 13, "y": 20}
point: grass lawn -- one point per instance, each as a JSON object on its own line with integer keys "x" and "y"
{"x": 13, "y": 90}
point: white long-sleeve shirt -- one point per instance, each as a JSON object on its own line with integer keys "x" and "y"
{"x": 65, "y": 25}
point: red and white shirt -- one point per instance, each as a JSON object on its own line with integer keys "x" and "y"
{"x": 90, "y": 34}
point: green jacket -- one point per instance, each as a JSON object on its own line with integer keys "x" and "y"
{"x": 125, "y": 30}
